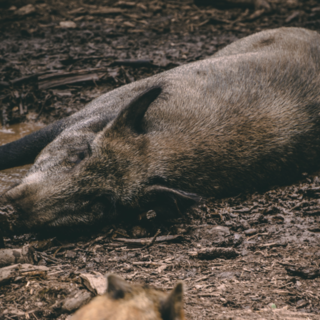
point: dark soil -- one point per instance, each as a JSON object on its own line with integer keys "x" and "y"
{"x": 247, "y": 257}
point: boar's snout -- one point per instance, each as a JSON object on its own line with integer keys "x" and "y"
{"x": 17, "y": 197}
{"x": 8, "y": 218}
{"x": 45, "y": 207}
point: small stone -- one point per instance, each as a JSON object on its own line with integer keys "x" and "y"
{"x": 250, "y": 232}
{"x": 67, "y": 24}
{"x": 219, "y": 231}
{"x": 70, "y": 254}
{"x": 245, "y": 224}
{"x": 42, "y": 262}
{"x": 96, "y": 283}
{"x": 237, "y": 239}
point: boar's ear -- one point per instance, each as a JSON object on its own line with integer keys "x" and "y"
{"x": 117, "y": 287}
{"x": 166, "y": 200}
{"x": 172, "y": 307}
{"x": 132, "y": 115}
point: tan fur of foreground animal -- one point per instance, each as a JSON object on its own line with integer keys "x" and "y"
{"x": 124, "y": 301}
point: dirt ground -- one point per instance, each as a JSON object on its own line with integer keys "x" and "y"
{"x": 254, "y": 256}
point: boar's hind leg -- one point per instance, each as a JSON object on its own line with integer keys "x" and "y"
{"x": 24, "y": 150}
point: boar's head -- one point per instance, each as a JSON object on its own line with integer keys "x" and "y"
{"x": 102, "y": 169}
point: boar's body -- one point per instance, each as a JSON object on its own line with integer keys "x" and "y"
{"x": 247, "y": 117}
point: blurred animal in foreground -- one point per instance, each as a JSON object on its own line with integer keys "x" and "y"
{"x": 246, "y": 118}
{"x": 124, "y": 301}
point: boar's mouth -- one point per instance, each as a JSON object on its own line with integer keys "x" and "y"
{"x": 97, "y": 211}
{"x": 167, "y": 202}
{"x": 91, "y": 210}
{"x": 83, "y": 211}
{"x": 102, "y": 211}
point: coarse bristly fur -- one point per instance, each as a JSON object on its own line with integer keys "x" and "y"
{"x": 244, "y": 119}
{"x": 124, "y": 301}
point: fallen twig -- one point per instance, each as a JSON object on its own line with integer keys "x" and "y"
{"x": 153, "y": 239}
{"x": 133, "y": 63}
{"x": 68, "y": 78}
{"x": 214, "y": 252}
{"x": 48, "y": 258}
{"x": 273, "y": 244}
{"x": 146, "y": 263}
{"x": 145, "y": 241}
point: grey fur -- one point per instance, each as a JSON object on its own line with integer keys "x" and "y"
{"x": 245, "y": 118}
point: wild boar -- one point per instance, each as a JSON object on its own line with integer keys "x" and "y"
{"x": 246, "y": 118}
{"x": 123, "y": 301}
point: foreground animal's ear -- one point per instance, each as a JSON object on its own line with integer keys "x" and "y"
{"x": 172, "y": 307}
{"x": 132, "y": 115}
{"x": 165, "y": 201}
{"x": 117, "y": 287}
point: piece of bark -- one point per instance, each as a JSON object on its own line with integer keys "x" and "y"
{"x": 96, "y": 283}
{"x": 272, "y": 244}
{"x": 76, "y": 300}
{"x": 214, "y": 252}
{"x": 20, "y": 270}
{"x": 13, "y": 312}
{"x": 25, "y": 10}
{"x": 14, "y": 256}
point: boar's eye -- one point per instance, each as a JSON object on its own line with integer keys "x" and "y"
{"x": 78, "y": 154}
